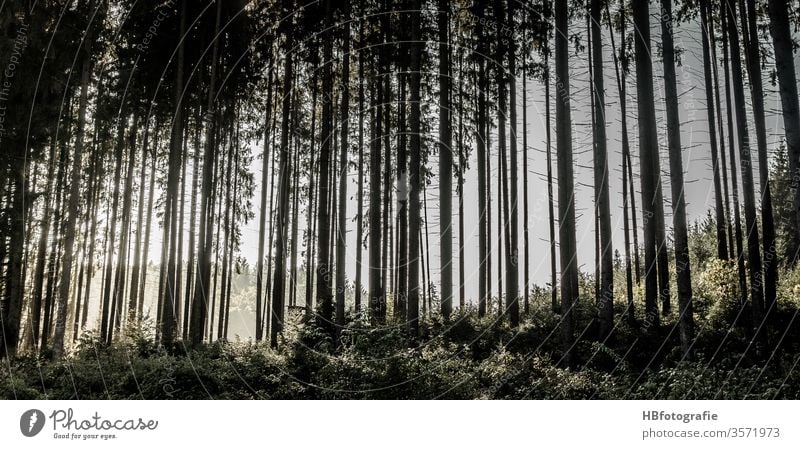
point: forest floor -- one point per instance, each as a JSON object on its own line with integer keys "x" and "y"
{"x": 467, "y": 357}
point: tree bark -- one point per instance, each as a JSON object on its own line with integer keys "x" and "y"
{"x": 73, "y": 211}
{"x": 719, "y": 208}
{"x": 605, "y": 294}
{"x": 682, "y": 267}
{"x": 566, "y": 184}
{"x": 787, "y": 86}
{"x": 199, "y": 302}
{"x": 748, "y": 184}
{"x": 341, "y": 241}
{"x": 415, "y": 170}
{"x": 649, "y": 160}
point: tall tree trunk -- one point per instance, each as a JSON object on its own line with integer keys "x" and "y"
{"x": 649, "y": 161}
{"x": 682, "y": 267}
{"x": 360, "y": 194}
{"x": 313, "y": 197}
{"x": 734, "y": 178}
{"x": 402, "y": 201}
{"x": 480, "y": 142}
{"x": 87, "y": 263}
{"x": 719, "y": 208}
{"x": 324, "y": 279}
{"x": 137, "y": 251}
{"x": 148, "y": 226}
{"x": 721, "y": 131}
{"x": 73, "y": 211}
{"x": 462, "y": 166}
{"x": 621, "y": 86}
{"x": 262, "y": 221}
{"x": 512, "y": 259}
{"x": 753, "y": 54}
{"x": 748, "y": 184}
{"x": 107, "y": 306}
{"x": 279, "y": 278}
{"x": 199, "y": 302}
{"x": 35, "y": 308}
{"x": 386, "y": 28}
{"x": 605, "y": 294}
{"x": 171, "y": 204}
{"x": 295, "y": 206}
{"x": 787, "y": 84}
{"x": 375, "y": 272}
{"x": 122, "y": 262}
{"x": 341, "y": 241}
{"x": 415, "y": 169}
{"x": 191, "y": 260}
{"x": 566, "y": 184}
{"x": 224, "y": 243}
{"x": 549, "y": 160}
{"x": 525, "y": 234}
{"x": 445, "y": 164}
{"x": 180, "y": 307}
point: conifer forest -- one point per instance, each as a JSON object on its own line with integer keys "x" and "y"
{"x": 399, "y": 199}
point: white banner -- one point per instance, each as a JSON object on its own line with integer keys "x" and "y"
{"x": 399, "y": 424}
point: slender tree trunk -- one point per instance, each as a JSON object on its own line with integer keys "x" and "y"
{"x": 734, "y": 179}
{"x": 313, "y": 196}
{"x": 122, "y": 263}
{"x": 360, "y": 194}
{"x": 462, "y": 166}
{"x": 56, "y": 253}
{"x": 191, "y": 260}
{"x": 682, "y": 267}
{"x": 108, "y": 312}
{"x": 402, "y": 201}
{"x": 137, "y": 251}
{"x": 224, "y": 243}
{"x": 620, "y": 78}
{"x": 171, "y": 208}
{"x": 341, "y": 242}
{"x": 480, "y": 141}
{"x": 721, "y": 132}
{"x": 753, "y": 54}
{"x": 605, "y": 294}
{"x": 386, "y": 28}
{"x": 262, "y": 221}
{"x": 649, "y": 160}
{"x": 748, "y": 184}
{"x": 35, "y": 308}
{"x": 87, "y": 264}
{"x": 148, "y": 226}
{"x": 71, "y": 225}
{"x": 787, "y": 84}
{"x": 415, "y": 169}
{"x": 179, "y": 305}
{"x": 566, "y": 185}
{"x": 719, "y": 208}
{"x": 550, "y": 198}
{"x": 375, "y": 271}
{"x": 278, "y": 311}
{"x": 295, "y": 206}
{"x": 445, "y": 164}
{"x": 199, "y": 302}
{"x": 512, "y": 264}
{"x": 324, "y": 279}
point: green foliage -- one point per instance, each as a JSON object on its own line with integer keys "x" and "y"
{"x": 466, "y": 357}
{"x": 716, "y": 294}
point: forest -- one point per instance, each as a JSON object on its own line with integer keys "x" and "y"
{"x": 399, "y": 199}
